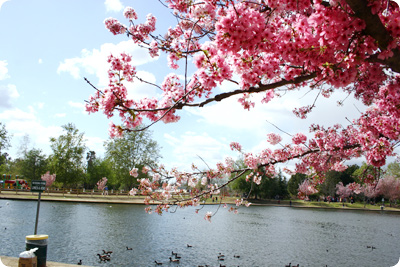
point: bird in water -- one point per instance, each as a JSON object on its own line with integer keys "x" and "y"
{"x": 158, "y": 263}
{"x": 173, "y": 260}
{"x": 128, "y": 248}
{"x": 80, "y": 262}
{"x": 103, "y": 257}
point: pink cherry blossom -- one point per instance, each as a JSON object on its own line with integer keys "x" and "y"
{"x": 101, "y": 184}
{"x": 49, "y": 178}
{"x": 273, "y": 138}
{"x": 208, "y": 216}
{"x": 134, "y": 172}
{"x": 114, "y": 26}
{"x": 130, "y": 13}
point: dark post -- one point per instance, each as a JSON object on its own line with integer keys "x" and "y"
{"x": 38, "y": 186}
{"x": 37, "y": 213}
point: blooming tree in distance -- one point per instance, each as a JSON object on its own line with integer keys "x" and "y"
{"x": 306, "y": 188}
{"x": 389, "y": 188}
{"x": 263, "y": 47}
{"x": 49, "y": 178}
{"x": 348, "y": 190}
{"x": 101, "y": 184}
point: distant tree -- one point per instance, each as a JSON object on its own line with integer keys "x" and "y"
{"x": 265, "y": 187}
{"x": 343, "y": 191}
{"x": 4, "y": 144}
{"x": 370, "y": 192}
{"x": 98, "y": 168}
{"x": 306, "y": 189}
{"x": 33, "y": 164}
{"x": 49, "y": 178}
{"x": 294, "y": 182}
{"x": 90, "y": 159}
{"x": 67, "y": 158}
{"x": 393, "y": 169}
{"x": 367, "y": 174}
{"x": 328, "y": 187}
{"x": 333, "y": 178}
{"x": 244, "y": 188}
{"x": 101, "y": 184}
{"x": 389, "y": 188}
{"x": 272, "y": 187}
{"x": 132, "y": 150}
{"x": 24, "y": 146}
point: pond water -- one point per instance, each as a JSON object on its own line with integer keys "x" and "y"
{"x": 261, "y": 236}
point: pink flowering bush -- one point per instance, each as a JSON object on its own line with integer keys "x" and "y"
{"x": 389, "y": 188}
{"x": 101, "y": 184}
{"x": 348, "y": 190}
{"x": 49, "y": 178}
{"x": 262, "y": 47}
{"x": 306, "y": 188}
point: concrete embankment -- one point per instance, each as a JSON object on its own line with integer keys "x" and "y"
{"x": 13, "y": 262}
{"x": 139, "y": 200}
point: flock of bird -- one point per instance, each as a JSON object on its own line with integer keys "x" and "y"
{"x": 175, "y": 258}
{"x": 106, "y": 256}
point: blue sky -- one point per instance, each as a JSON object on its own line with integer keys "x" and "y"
{"x": 47, "y": 47}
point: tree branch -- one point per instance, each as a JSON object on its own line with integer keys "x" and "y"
{"x": 376, "y": 30}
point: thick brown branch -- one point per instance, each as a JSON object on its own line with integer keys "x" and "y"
{"x": 376, "y": 30}
{"x": 260, "y": 88}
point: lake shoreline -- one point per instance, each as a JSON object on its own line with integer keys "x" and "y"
{"x": 124, "y": 199}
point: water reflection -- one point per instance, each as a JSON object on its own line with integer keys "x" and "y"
{"x": 262, "y": 236}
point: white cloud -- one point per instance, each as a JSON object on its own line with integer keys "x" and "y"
{"x": 16, "y": 114}
{"x": 138, "y": 90}
{"x": 190, "y": 147}
{"x": 40, "y": 61}
{"x": 20, "y": 123}
{"x": 95, "y": 61}
{"x": 113, "y": 5}
{"x": 8, "y": 93}
{"x": 230, "y": 114}
{"x": 96, "y": 144}
{"x": 3, "y": 70}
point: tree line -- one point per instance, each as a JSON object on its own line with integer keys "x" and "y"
{"x": 336, "y": 186}
{"x": 76, "y": 165}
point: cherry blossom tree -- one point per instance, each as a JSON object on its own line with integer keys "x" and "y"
{"x": 101, "y": 184}
{"x": 306, "y": 188}
{"x": 370, "y": 191}
{"x": 49, "y": 178}
{"x": 348, "y": 190}
{"x": 264, "y": 47}
{"x": 389, "y": 188}
{"x": 343, "y": 191}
